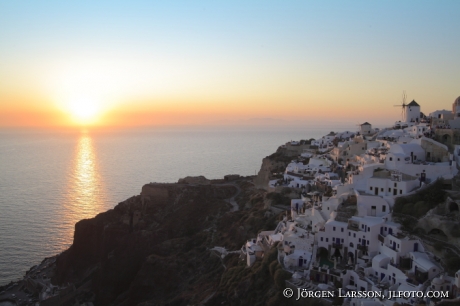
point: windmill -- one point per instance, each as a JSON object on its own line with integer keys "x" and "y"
{"x": 403, "y": 105}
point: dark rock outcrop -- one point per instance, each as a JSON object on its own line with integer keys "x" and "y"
{"x": 153, "y": 249}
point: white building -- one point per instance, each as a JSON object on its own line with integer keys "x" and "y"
{"x": 412, "y": 112}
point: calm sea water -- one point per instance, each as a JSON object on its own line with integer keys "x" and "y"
{"x": 50, "y": 180}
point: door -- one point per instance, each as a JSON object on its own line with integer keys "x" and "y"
{"x": 415, "y": 247}
{"x": 376, "y": 191}
{"x": 395, "y": 191}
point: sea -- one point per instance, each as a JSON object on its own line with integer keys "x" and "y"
{"x": 49, "y": 180}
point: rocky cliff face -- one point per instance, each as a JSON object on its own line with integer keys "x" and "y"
{"x": 153, "y": 249}
{"x": 277, "y": 162}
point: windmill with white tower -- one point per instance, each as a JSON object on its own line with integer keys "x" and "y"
{"x": 410, "y": 113}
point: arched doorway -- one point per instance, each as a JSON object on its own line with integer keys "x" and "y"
{"x": 351, "y": 258}
{"x": 446, "y": 138}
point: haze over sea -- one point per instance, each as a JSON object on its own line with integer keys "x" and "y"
{"x": 51, "y": 180}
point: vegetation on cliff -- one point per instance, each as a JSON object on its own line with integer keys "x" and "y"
{"x": 421, "y": 202}
{"x": 154, "y": 249}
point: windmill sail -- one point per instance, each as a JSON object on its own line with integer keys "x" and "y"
{"x": 403, "y": 106}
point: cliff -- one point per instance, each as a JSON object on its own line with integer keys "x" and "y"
{"x": 153, "y": 249}
{"x": 277, "y": 162}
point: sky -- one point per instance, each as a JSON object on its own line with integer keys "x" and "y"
{"x": 137, "y": 63}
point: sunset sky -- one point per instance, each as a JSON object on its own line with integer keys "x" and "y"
{"x": 129, "y": 63}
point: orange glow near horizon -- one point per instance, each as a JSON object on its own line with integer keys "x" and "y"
{"x": 113, "y": 91}
{"x": 87, "y": 112}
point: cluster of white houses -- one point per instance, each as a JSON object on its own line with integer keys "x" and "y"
{"x": 347, "y": 238}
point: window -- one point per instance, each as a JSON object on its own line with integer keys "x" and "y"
{"x": 354, "y": 235}
{"x": 351, "y": 244}
{"x": 384, "y": 208}
{"x": 400, "y": 192}
{"x": 381, "y": 189}
{"x": 391, "y": 158}
{"x": 359, "y": 239}
{"x": 399, "y": 159}
{"x": 333, "y": 228}
{"x": 341, "y": 229}
{"x": 371, "y": 187}
{"x": 349, "y": 234}
{"x": 396, "y": 184}
{"x": 321, "y": 238}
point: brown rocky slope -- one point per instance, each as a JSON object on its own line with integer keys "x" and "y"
{"x": 153, "y": 249}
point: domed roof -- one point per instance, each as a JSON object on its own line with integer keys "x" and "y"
{"x": 457, "y": 101}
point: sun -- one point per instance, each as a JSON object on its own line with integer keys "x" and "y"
{"x": 84, "y": 110}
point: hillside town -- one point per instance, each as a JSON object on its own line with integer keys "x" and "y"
{"x": 342, "y": 231}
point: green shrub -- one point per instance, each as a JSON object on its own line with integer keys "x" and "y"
{"x": 280, "y": 278}
{"x": 421, "y": 208}
{"x": 408, "y": 209}
{"x": 431, "y": 195}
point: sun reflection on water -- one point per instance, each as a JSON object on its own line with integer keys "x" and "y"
{"x": 85, "y": 193}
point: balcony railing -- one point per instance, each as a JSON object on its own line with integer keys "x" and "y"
{"x": 362, "y": 247}
{"x": 337, "y": 245}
